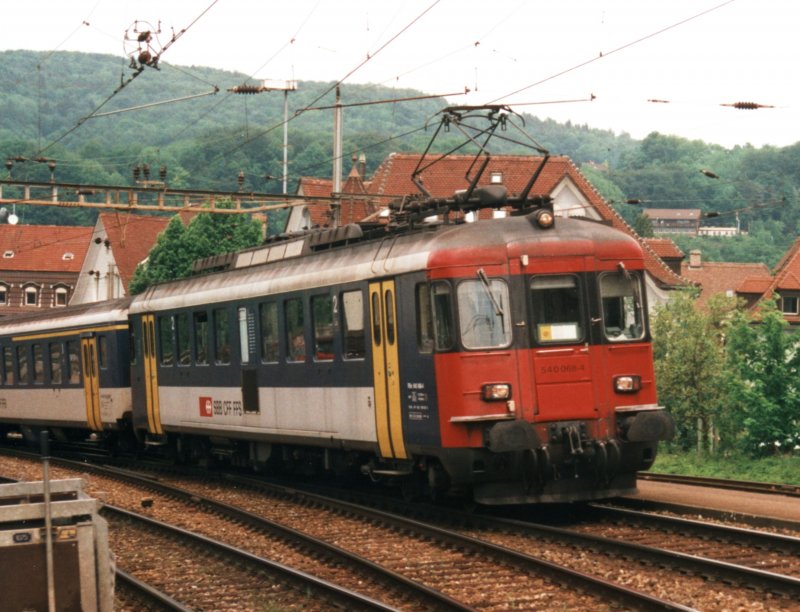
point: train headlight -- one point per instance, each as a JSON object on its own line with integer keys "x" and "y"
{"x": 496, "y": 392}
{"x": 627, "y": 384}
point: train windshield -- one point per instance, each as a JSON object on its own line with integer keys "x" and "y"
{"x": 557, "y": 309}
{"x": 482, "y": 308}
{"x": 621, "y": 298}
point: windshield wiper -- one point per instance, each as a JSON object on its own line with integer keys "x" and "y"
{"x": 498, "y": 310}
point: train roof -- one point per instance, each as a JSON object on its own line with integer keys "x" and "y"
{"x": 70, "y": 317}
{"x": 305, "y": 263}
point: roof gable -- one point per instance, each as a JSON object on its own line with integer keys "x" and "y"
{"x": 131, "y": 237}
{"x": 43, "y": 248}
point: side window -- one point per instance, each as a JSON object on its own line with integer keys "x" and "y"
{"x": 200, "y": 337}
{"x": 222, "y": 340}
{"x": 442, "y": 299}
{"x": 422, "y": 297}
{"x": 322, "y": 312}
{"x": 166, "y": 340}
{"x": 623, "y": 312}
{"x": 134, "y": 350}
{"x": 245, "y": 325}
{"x": 182, "y": 337}
{"x": 38, "y": 364}
{"x": 8, "y": 365}
{"x": 483, "y": 313}
{"x": 353, "y": 324}
{"x": 102, "y": 352}
{"x": 55, "y": 363}
{"x": 295, "y": 330}
{"x": 22, "y": 364}
{"x": 268, "y": 313}
{"x": 556, "y": 309}
{"x": 73, "y": 362}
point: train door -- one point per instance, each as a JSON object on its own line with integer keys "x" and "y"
{"x": 91, "y": 381}
{"x": 385, "y": 369}
{"x": 150, "y": 362}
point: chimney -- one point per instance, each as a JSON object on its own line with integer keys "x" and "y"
{"x": 695, "y": 259}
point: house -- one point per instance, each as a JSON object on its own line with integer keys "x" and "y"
{"x": 40, "y": 266}
{"x": 668, "y": 251}
{"x": 572, "y": 194}
{"x": 119, "y": 242}
{"x": 674, "y": 220}
{"x": 744, "y": 280}
{"x": 786, "y": 284}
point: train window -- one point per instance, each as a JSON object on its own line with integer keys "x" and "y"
{"x": 391, "y": 325}
{"x": 55, "y": 363}
{"x": 200, "y": 338}
{"x": 102, "y": 352}
{"x": 442, "y": 299}
{"x": 623, "y": 313}
{"x": 483, "y": 313}
{"x": 8, "y": 365}
{"x": 424, "y": 319}
{"x": 73, "y": 363}
{"x": 183, "y": 340}
{"x": 38, "y": 364}
{"x": 132, "y": 344}
{"x": 322, "y": 313}
{"x": 222, "y": 341}
{"x": 22, "y": 364}
{"x": 295, "y": 329}
{"x": 244, "y": 334}
{"x": 166, "y": 340}
{"x": 268, "y": 313}
{"x": 556, "y": 309}
{"x": 353, "y": 324}
{"x": 376, "y": 319}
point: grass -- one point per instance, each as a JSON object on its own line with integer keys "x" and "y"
{"x": 783, "y": 469}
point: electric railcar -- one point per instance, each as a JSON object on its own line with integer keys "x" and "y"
{"x": 500, "y": 358}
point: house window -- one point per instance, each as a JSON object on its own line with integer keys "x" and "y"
{"x": 790, "y": 305}
{"x": 31, "y": 296}
{"x": 60, "y": 296}
{"x": 3, "y": 294}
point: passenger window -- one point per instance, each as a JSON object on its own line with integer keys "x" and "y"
{"x": 483, "y": 313}
{"x": 201, "y": 338}
{"x": 422, "y": 297}
{"x": 269, "y": 332}
{"x": 623, "y": 313}
{"x": 353, "y": 324}
{"x": 376, "y": 319}
{"x": 247, "y": 333}
{"x": 222, "y": 343}
{"x": 322, "y": 312}
{"x": 38, "y": 364}
{"x": 102, "y": 352}
{"x": 166, "y": 340}
{"x": 442, "y": 298}
{"x": 55, "y": 363}
{"x": 556, "y": 309}
{"x": 22, "y": 364}
{"x": 295, "y": 330}
{"x": 391, "y": 325}
{"x": 8, "y": 365}
{"x": 182, "y": 336}
{"x": 73, "y": 362}
{"x": 132, "y": 345}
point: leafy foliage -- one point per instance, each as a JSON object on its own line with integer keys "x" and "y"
{"x": 178, "y": 246}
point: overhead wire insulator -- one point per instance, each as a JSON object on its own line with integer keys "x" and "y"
{"x": 245, "y": 89}
{"x": 709, "y": 174}
{"x": 747, "y": 105}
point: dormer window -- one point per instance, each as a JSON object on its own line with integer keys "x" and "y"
{"x": 8, "y": 254}
{"x": 496, "y": 178}
{"x": 68, "y": 256}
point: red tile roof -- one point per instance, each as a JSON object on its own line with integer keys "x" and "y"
{"x": 131, "y": 237}
{"x": 43, "y": 248}
{"x": 664, "y": 248}
{"x": 721, "y": 277}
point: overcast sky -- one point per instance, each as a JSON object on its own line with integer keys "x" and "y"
{"x": 545, "y": 58}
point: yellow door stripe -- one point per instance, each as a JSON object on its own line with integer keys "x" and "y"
{"x": 151, "y": 375}
{"x": 379, "y": 371}
{"x": 393, "y": 370}
{"x": 91, "y": 383}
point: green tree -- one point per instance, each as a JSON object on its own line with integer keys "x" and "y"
{"x": 690, "y": 367}
{"x": 207, "y": 234}
{"x": 765, "y": 362}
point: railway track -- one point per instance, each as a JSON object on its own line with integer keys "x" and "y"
{"x": 475, "y": 574}
{"x": 721, "y": 483}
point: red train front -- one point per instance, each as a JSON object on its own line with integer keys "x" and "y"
{"x": 544, "y": 380}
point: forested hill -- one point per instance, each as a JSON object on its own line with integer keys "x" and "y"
{"x": 206, "y": 140}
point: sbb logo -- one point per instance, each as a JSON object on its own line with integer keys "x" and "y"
{"x": 206, "y": 407}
